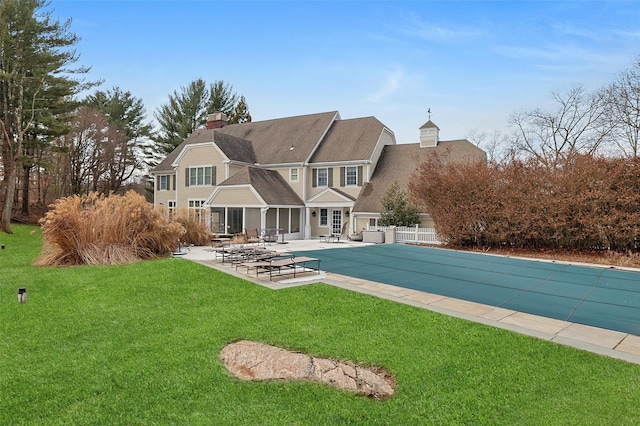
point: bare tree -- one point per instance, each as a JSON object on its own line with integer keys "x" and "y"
{"x": 496, "y": 145}
{"x": 578, "y": 126}
{"x": 623, "y": 110}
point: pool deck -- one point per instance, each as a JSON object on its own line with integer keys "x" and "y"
{"x": 614, "y": 344}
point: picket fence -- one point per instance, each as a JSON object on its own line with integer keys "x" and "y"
{"x": 411, "y": 234}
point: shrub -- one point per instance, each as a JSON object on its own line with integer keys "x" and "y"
{"x": 398, "y": 209}
{"x": 99, "y": 230}
{"x": 196, "y": 233}
{"x": 586, "y": 203}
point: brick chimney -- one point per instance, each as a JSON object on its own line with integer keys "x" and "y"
{"x": 216, "y": 120}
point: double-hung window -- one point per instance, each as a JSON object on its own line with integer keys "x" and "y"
{"x": 351, "y": 177}
{"x": 293, "y": 174}
{"x": 322, "y": 177}
{"x": 200, "y": 176}
{"x": 324, "y": 217}
{"x": 163, "y": 182}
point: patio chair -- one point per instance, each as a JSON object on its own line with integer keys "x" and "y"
{"x": 252, "y": 236}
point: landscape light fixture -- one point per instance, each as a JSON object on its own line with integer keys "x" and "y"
{"x": 22, "y": 295}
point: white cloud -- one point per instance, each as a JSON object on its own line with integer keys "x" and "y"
{"x": 390, "y": 86}
{"x": 440, "y": 33}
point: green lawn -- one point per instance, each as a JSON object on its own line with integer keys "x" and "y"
{"x": 139, "y": 344}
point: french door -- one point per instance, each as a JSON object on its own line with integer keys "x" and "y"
{"x": 336, "y": 221}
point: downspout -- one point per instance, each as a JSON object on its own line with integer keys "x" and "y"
{"x": 175, "y": 169}
{"x": 307, "y": 210}
{"x": 263, "y": 220}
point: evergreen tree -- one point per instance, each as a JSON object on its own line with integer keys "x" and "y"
{"x": 188, "y": 109}
{"x": 36, "y": 84}
{"x": 240, "y": 112}
{"x": 123, "y": 110}
{"x": 398, "y": 210}
{"x": 221, "y": 98}
{"x": 185, "y": 111}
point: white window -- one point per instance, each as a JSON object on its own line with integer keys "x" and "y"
{"x": 200, "y": 176}
{"x": 172, "y": 207}
{"x": 324, "y": 217}
{"x": 293, "y": 175}
{"x": 351, "y": 177}
{"x": 196, "y": 210}
{"x": 323, "y": 177}
{"x": 163, "y": 183}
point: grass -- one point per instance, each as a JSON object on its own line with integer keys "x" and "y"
{"x": 139, "y": 344}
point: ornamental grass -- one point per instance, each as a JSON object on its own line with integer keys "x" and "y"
{"x": 106, "y": 230}
{"x": 196, "y": 232}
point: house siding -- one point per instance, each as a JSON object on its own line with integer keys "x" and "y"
{"x": 198, "y": 156}
{"x": 335, "y": 180}
{"x": 236, "y": 197}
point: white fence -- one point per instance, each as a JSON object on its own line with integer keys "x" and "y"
{"x": 411, "y": 234}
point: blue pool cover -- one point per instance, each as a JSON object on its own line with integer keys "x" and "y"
{"x": 601, "y": 297}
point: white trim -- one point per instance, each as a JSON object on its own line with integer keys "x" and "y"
{"x": 297, "y": 179}
{"x": 345, "y": 163}
{"x": 310, "y": 202}
{"x": 219, "y": 189}
{"x": 336, "y": 117}
{"x": 184, "y": 151}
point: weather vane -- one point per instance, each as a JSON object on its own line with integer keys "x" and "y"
{"x": 429, "y": 111}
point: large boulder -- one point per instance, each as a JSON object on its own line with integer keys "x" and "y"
{"x": 249, "y": 360}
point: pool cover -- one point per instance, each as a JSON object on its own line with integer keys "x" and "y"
{"x": 600, "y": 297}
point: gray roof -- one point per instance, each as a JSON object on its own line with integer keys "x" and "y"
{"x": 235, "y": 148}
{"x": 271, "y": 186}
{"x": 429, "y": 125}
{"x": 350, "y": 140}
{"x": 272, "y": 140}
{"x": 263, "y": 142}
{"x": 398, "y": 162}
{"x": 198, "y": 136}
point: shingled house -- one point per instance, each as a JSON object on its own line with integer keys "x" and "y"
{"x": 398, "y": 162}
{"x": 298, "y": 177}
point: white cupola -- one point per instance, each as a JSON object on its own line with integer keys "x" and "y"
{"x": 429, "y": 135}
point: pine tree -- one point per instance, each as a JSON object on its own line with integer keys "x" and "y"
{"x": 35, "y": 82}
{"x": 240, "y": 113}
{"x": 188, "y": 109}
{"x": 398, "y": 210}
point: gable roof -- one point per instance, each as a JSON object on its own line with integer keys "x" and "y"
{"x": 429, "y": 125}
{"x": 263, "y": 142}
{"x": 269, "y": 184}
{"x": 362, "y": 135}
{"x": 398, "y": 162}
{"x": 272, "y": 140}
{"x": 198, "y": 136}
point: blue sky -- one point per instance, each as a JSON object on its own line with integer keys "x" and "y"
{"x": 473, "y": 63}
